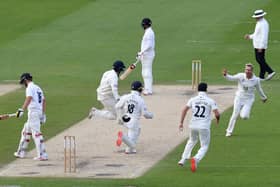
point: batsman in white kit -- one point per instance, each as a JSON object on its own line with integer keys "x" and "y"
{"x": 244, "y": 96}
{"x": 107, "y": 93}
{"x": 130, "y": 109}
{"x": 35, "y": 103}
{"x": 146, "y": 55}
{"x": 201, "y": 107}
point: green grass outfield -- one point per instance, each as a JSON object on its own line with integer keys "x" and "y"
{"x": 68, "y": 44}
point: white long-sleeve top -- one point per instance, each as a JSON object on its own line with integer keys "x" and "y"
{"x": 246, "y": 87}
{"x": 260, "y": 35}
{"x": 108, "y": 87}
{"x": 133, "y": 106}
{"x": 148, "y": 43}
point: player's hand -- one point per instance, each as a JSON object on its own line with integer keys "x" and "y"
{"x": 181, "y": 127}
{"x": 224, "y": 72}
{"x": 19, "y": 113}
{"x": 259, "y": 50}
{"x": 264, "y": 100}
{"x": 138, "y": 56}
{"x": 43, "y": 119}
{"x": 247, "y": 37}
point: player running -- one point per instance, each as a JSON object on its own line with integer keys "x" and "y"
{"x": 129, "y": 109}
{"x": 201, "y": 107}
{"x": 244, "y": 96}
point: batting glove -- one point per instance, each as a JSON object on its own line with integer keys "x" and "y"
{"x": 19, "y": 113}
{"x": 43, "y": 119}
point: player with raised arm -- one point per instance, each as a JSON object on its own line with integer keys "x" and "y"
{"x": 244, "y": 96}
{"x": 201, "y": 107}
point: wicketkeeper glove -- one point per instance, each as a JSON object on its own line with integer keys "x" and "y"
{"x": 19, "y": 113}
{"x": 43, "y": 119}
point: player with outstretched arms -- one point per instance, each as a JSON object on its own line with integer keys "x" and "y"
{"x": 244, "y": 96}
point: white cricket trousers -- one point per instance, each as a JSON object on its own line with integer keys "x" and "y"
{"x": 203, "y": 135}
{"x": 32, "y": 128}
{"x": 147, "y": 74}
{"x": 132, "y": 137}
{"x": 241, "y": 106}
{"x": 109, "y": 111}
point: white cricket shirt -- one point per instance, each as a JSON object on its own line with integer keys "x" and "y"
{"x": 246, "y": 87}
{"x": 108, "y": 87}
{"x": 37, "y": 95}
{"x": 148, "y": 43}
{"x": 260, "y": 35}
{"x": 201, "y": 107}
{"x": 133, "y": 105}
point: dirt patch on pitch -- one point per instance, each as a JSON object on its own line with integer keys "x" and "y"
{"x": 97, "y": 154}
{"x": 7, "y": 88}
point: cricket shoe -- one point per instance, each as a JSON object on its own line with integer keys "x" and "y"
{"x": 91, "y": 113}
{"x": 193, "y": 164}
{"x": 20, "y": 154}
{"x": 182, "y": 162}
{"x": 270, "y": 76}
{"x": 228, "y": 134}
{"x": 147, "y": 93}
{"x": 40, "y": 158}
{"x": 129, "y": 150}
{"x": 119, "y": 140}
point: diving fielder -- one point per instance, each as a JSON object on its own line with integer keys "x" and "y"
{"x": 129, "y": 109}
{"x": 201, "y": 107}
{"x": 35, "y": 103}
{"x": 244, "y": 96}
{"x": 107, "y": 93}
{"x": 146, "y": 55}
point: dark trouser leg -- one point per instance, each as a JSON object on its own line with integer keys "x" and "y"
{"x": 264, "y": 67}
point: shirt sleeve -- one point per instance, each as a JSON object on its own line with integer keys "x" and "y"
{"x": 28, "y": 92}
{"x": 114, "y": 86}
{"x": 214, "y": 105}
{"x": 146, "y": 113}
{"x": 147, "y": 42}
{"x": 257, "y": 27}
{"x": 233, "y": 77}
{"x": 260, "y": 90}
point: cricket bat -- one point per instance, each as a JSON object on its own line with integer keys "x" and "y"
{"x": 6, "y": 116}
{"x": 128, "y": 70}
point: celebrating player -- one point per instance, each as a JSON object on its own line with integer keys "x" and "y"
{"x": 107, "y": 93}
{"x": 129, "y": 110}
{"x": 201, "y": 107}
{"x": 35, "y": 103}
{"x": 244, "y": 96}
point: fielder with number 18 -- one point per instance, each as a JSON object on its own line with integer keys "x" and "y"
{"x": 130, "y": 109}
{"x": 201, "y": 107}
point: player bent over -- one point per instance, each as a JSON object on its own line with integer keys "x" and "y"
{"x": 244, "y": 96}
{"x": 107, "y": 93}
{"x": 129, "y": 109}
{"x": 35, "y": 103}
{"x": 201, "y": 107}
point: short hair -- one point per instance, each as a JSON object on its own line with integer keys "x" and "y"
{"x": 202, "y": 87}
{"x": 249, "y": 65}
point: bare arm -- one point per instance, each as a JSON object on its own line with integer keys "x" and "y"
{"x": 217, "y": 115}
{"x": 44, "y": 106}
{"x": 26, "y": 102}
{"x": 183, "y": 115}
